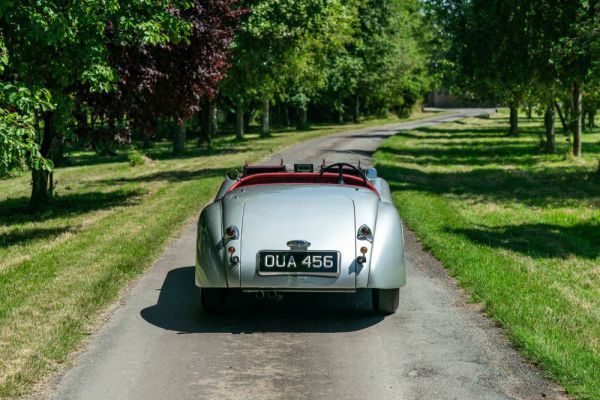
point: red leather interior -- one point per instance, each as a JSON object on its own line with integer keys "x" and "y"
{"x": 328, "y": 178}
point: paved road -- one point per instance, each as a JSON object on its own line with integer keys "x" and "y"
{"x": 159, "y": 345}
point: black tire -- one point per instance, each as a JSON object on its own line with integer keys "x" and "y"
{"x": 385, "y": 301}
{"x": 213, "y": 300}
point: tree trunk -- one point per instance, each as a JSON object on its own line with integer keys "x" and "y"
{"x": 102, "y": 140}
{"x": 93, "y": 120}
{"x": 356, "y": 116}
{"x": 549, "y": 124}
{"x": 42, "y": 185}
{"x": 213, "y": 126}
{"x": 239, "y": 120}
{"x": 577, "y": 115}
{"x": 568, "y": 116}
{"x": 204, "y": 123}
{"x": 302, "y": 119}
{"x": 83, "y": 128}
{"x": 179, "y": 138}
{"x": 286, "y": 115}
{"x": 148, "y": 128}
{"x": 591, "y": 119}
{"x": 247, "y": 118}
{"x": 41, "y": 189}
{"x": 586, "y": 121}
{"x": 147, "y": 142}
{"x": 57, "y": 150}
{"x": 529, "y": 111}
{"x": 265, "y": 127}
{"x": 514, "y": 120}
{"x": 340, "y": 117}
{"x": 563, "y": 122}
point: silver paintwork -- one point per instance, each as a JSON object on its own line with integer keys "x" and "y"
{"x": 210, "y": 249}
{"x": 228, "y": 183}
{"x": 269, "y": 217}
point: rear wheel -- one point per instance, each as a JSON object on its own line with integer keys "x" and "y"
{"x": 385, "y": 301}
{"x": 213, "y": 300}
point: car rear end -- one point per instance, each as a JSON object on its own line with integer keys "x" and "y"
{"x": 288, "y": 237}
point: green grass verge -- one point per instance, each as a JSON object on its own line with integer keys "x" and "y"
{"x": 519, "y": 229}
{"x": 61, "y": 268}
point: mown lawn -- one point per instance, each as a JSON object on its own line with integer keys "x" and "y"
{"x": 59, "y": 269}
{"x": 519, "y": 229}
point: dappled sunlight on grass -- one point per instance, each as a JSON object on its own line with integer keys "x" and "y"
{"x": 519, "y": 228}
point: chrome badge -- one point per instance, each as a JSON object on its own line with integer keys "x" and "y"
{"x": 298, "y": 244}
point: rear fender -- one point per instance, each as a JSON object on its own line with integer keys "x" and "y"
{"x": 388, "y": 266}
{"x": 210, "y": 252}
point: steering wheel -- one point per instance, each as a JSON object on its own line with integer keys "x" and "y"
{"x": 340, "y": 168}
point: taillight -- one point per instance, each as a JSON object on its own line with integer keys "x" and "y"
{"x": 231, "y": 233}
{"x": 365, "y": 233}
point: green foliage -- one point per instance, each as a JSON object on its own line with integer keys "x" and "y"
{"x": 482, "y": 48}
{"x": 268, "y": 48}
{"x": 308, "y": 74}
{"x": 393, "y": 47}
{"x": 504, "y": 50}
{"x": 135, "y": 158}
{"x": 18, "y": 145}
{"x": 51, "y": 49}
{"x": 310, "y": 51}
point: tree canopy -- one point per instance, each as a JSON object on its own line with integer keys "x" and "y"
{"x": 100, "y": 72}
{"x": 57, "y": 55}
{"x": 509, "y": 50}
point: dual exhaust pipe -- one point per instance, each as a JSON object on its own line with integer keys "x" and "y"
{"x": 270, "y": 294}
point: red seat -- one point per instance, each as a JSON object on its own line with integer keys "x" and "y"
{"x": 328, "y": 178}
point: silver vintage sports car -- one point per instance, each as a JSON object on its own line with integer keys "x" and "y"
{"x": 271, "y": 231}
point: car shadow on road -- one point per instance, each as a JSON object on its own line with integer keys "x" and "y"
{"x": 178, "y": 309}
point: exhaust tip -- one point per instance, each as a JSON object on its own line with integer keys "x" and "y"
{"x": 272, "y": 294}
{"x": 260, "y": 294}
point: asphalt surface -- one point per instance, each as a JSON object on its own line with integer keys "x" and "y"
{"x": 158, "y": 344}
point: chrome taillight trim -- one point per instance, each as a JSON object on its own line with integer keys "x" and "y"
{"x": 233, "y": 235}
{"x": 362, "y": 235}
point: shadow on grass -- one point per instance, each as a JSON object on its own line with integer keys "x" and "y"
{"x": 553, "y": 187}
{"x": 160, "y": 151}
{"x": 540, "y": 240}
{"x": 504, "y": 175}
{"x": 88, "y": 158}
{"x": 446, "y": 135}
{"x": 476, "y": 131}
{"x": 169, "y": 175}
{"x": 368, "y": 136}
{"x": 178, "y": 309}
{"x": 351, "y": 152}
{"x": 22, "y": 236}
{"x": 236, "y": 147}
{"x": 468, "y": 153}
{"x": 490, "y": 180}
{"x": 15, "y": 211}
